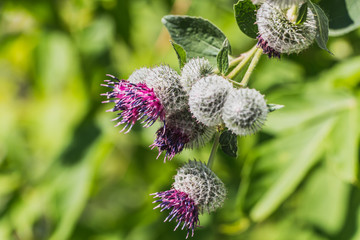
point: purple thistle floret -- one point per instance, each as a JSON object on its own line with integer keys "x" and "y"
{"x": 266, "y": 48}
{"x": 183, "y": 209}
{"x": 135, "y": 101}
{"x": 170, "y": 140}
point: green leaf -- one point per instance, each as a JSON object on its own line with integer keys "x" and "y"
{"x": 223, "y": 57}
{"x": 245, "y": 15}
{"x": 180, "y": 53}
{"x": 325, "y": 201}
{"x": 342, "y": 154}
{"x": 302, "y": 109}
{"x": 343, "y": 15}
{"x": 302, "y": 14}
{"x": 197, "y": 36}
{"x": 228, "y": 143}
{"x": 322, "y": 23}
{"x": 296, "y": 154}
{"x": 273, "y": 107}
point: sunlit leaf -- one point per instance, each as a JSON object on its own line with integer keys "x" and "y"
{"x": 342, "y": 153}
{"x": 324, "y": 201}
{"x": 199, "y": 37}
{"x": 282, "y": 165}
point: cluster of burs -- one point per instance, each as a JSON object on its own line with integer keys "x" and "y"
{"x": 195, "y": 104}
{"x": 191, "y": 108}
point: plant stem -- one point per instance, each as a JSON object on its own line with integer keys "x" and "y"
{"x": 252, "y": 65}
{"x": 233, "y": 62}
{"x": 242, "y": 63}
{"x": 236, "y": 61}
{"x": 213, "y": 150}
{"x": 235, "y": 83}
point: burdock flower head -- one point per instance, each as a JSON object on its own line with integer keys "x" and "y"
{"x": 181, "y": 130}
{"x": 278, "y": 33}
{"x": 149, "y": 93}
{"x": 207, "y": 97}
{"x": 134, "y": 102}
{"x": 192, "y": 71}
{"x": 196, "y": 189}
{"x": 283, "y": 4}
{"x": 165, "y": 82}
{"x": 245, "y": 111}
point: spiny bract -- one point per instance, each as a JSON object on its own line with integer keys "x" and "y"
{"x": 181, "y": 131}
{"x": 207, "y": 97}
{"x": 192, "y": 71}
{"x": 201, "y": 184}
{"x": 198, "y": 133}
{"x": 280, "y": 33}
{"x": 165, "y": 83}
{"x": 283, "y": 4}
{"x": 245, "y": 111}
{"x": 140, "y": 75}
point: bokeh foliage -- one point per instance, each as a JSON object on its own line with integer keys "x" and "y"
{"x": 66, "y": 173}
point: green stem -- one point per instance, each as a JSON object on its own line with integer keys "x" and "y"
{"x": 213, "y": 150}
{"x": 252, "y": 65}
{"x": 242, "y": 63}
{"x": 235, "y": 83}
{"x": 236, "y": 61}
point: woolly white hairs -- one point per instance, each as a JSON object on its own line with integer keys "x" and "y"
{"x": 207, "y": 97}
{"x": 283, "y": 4}
{"x": 281, "y": 34}
{"x": 201, "y": 184}
{"x": 245, "y": 111}
{"x": 198, "y": 133}
{"x": 139, "y": 75}
{"x": 165, "y": 82}
{"x": 192, "y": 71}
{"x": 280, "y": 3}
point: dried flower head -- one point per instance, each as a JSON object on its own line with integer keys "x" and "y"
{"x": 196, "y": 188}
{"x": 192, "y": 71}
{"x": 207, "y": 97}
{"x": 134, "y": 102}
{"x": 277, "y": 33}
{"x": 181, "y": 131}
{"x": 245, "y": 111}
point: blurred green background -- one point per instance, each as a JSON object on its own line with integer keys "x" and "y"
{"x": 66, "y": 172}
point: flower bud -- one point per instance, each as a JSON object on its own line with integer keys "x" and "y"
{"x": 196, "y": 188}
{"x": 181, "y": 131}
{"x": 245, "y": 111}
{"x": 139, "y": 75}
{"x": 192, "y": 71}
{"x": 201, "y": 184}
{"x": 284, "y": 4}
{"x": 278, "y": 33}
{"x": 165, "y": 83}
{"x": 207, "y": 97}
